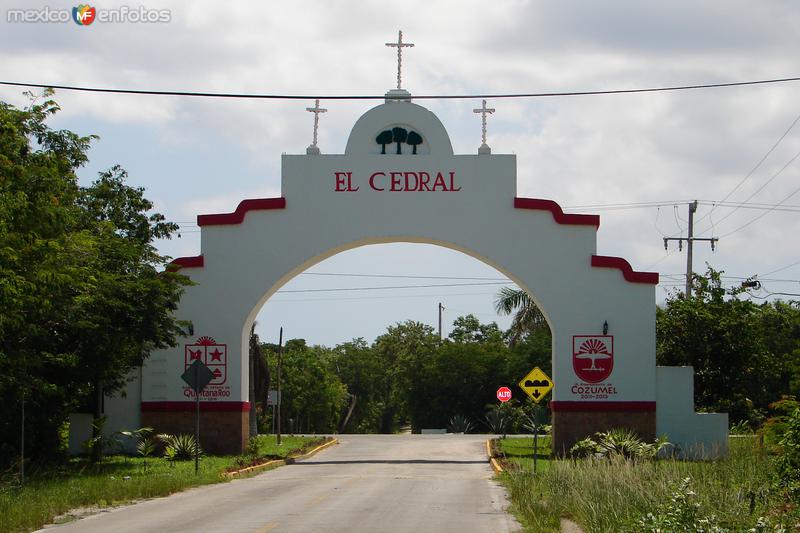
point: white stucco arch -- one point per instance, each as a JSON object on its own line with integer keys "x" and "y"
{"x": 369, "y": 242}
{"x": 332, "y": 203}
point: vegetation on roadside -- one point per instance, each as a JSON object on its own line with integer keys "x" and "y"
{"x": 83, "y": 486}
{"x": 749, "y": 490}
{"x": 83, "y": 297}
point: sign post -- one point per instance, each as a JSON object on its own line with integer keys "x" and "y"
{"x": 536, "y": 384}
{"x": 280, "y": 363}
{"x": 197, "y": 376}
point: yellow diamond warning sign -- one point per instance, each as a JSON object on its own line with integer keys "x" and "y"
{"x": 536, "y": 384}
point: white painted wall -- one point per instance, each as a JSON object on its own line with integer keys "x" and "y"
{"x": 697, "y": 435}
{"x": 245, "y": 264}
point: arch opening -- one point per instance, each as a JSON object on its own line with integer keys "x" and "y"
{"x": 360, "y": 244}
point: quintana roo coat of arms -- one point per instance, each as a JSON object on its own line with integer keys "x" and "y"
{"x": 212, "y": 354}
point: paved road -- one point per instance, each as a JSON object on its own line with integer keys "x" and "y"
{"x": 368, "y": 483}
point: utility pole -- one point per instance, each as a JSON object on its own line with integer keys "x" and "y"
{"x": 441, "y": 308}
{"x": 280, "y": 362}
{"x": 690, "y": 238}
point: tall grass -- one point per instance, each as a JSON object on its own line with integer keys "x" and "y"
{"x": 609, "y": 495}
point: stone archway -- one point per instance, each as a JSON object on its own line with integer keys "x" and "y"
{"x": 417, "y": 193}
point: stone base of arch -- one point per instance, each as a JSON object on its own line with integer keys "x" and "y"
{"x": 224, "y": 426}
{"x": 573, "y": 421}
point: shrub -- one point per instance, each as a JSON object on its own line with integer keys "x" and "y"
{"x": 775, "y": 426}
{"x": 681, "y": 513}
{"x": 618, "y": 443}
{"x": 741, "y": 428}
{"x": 584, "y": 448}
{"x": 788, "y": 463}
{"x": 497, "y": 420}
{"x": 180, "y": 447}
{"x": 459, "y": 424}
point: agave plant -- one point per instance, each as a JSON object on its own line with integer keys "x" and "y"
{"x": 534, "y": 421}
{"x": 459, "y": 424}
{"x": 623, "y": 442}
{"x": 497, "y": 420}
{"x": 180, "y": 447}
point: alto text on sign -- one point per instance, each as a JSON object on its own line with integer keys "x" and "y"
{"x": 504, "y": 394}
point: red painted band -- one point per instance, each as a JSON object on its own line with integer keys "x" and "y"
{"x": 186, "y": 262}
{"x": 559, "y": 405}
{"x": 256, "y": 204}
{"x": 190, "y": 406}
{"x": 559, "y": 215}
{"x": 604, "y": 261}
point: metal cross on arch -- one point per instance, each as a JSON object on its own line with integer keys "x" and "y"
{"x": 316, "y": 110}
{"x": 400, "y": 45}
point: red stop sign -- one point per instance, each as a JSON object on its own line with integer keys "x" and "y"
{"x": 503, "y": 394}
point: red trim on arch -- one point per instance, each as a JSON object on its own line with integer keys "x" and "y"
{"x": 605, "y": 261}
{"x": 559, "y": 215}
{"x": 558, "y": 405}
{"x": 255, "y": 204}
{"x": 190, "y": 406}
{"x": 195, "y": 261}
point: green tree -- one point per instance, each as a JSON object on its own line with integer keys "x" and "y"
{"x": 527, "y": 316}
{"x": 361, "y": 371}
{"x": 312, "y": 395}
{"x": 402, "y": 351}
{"x": 468, "y": 329}
{"x": 82, "y": 298}
{"x": 721, "y": 336}
{"x": 128, "y": 310}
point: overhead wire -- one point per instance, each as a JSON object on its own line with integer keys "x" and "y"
{"x": 784, "y": 167}
{"x": 757, "y": 165}
{"x": 262, "y": 96}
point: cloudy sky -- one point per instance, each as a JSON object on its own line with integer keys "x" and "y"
{"x": 197, "y": 155}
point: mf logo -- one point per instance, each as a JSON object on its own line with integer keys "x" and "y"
{"x": 593, "y": 357}
{"x": 212, "y": 354}
{"x": 84, "y": 14}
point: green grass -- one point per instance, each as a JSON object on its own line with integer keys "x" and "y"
{"x": 519, "y": 451}
{"x": 51, "y": 492}
{"x": 610, "y": 495}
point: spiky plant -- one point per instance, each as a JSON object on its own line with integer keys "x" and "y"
{"x": 459, "y": 424}
{"x": 180, "y": 447}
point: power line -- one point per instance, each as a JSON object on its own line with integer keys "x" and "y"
{"x": 764, "y": 213}
{"x": 338, "y": 274}
{"x": 260, "y": 96}
{"x": 348, "y": 289}
{"x": 665, "y": 203}
{"x": 782, "y": 268}
{"x": 387, "y": 297}
{"x": 784, "y": 167}
{"x": 760, "y": 161}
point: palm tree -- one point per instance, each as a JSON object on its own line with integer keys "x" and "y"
{"x": 527, "y": 316}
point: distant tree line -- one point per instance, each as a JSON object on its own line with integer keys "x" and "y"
{"x": 407, "y": 377}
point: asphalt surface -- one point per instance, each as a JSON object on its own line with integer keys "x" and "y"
{"x": 367, "y": 483}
